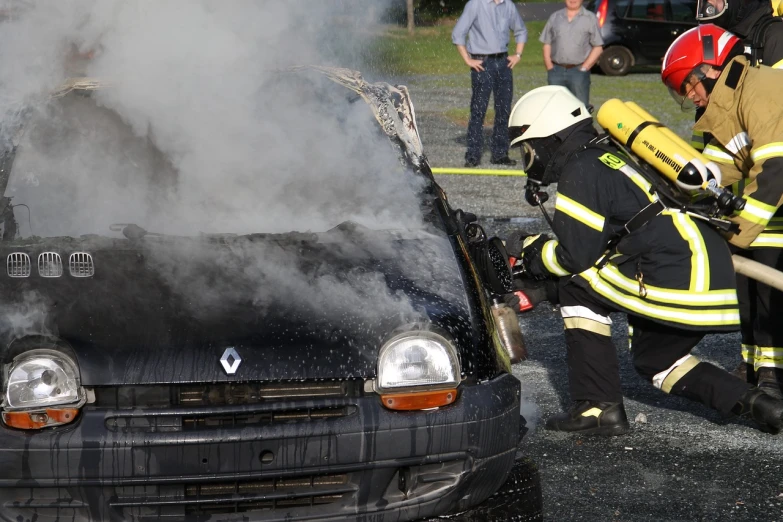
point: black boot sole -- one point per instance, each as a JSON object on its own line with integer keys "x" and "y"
{"x": 600, "y": 431}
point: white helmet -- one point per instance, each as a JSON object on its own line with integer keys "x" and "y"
{"x": 543, "y": 112}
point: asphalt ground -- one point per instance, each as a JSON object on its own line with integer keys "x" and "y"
{"x": 681, "y": 461}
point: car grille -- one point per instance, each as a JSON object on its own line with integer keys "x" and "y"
{"x": 80, "y": 265}
{"x": 18, "y": 265}
{"x": 211, "y": 406}
{"x": 50, "y": 264}
{"x": 242, "y": 496}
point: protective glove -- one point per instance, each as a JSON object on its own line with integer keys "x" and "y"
{"x": 534, "y": 196}
{"x": 512, "y": 301}
{"x": 532, "y": 247}
{"x": 515, "y": 241}
{"x": 538, "y": 291}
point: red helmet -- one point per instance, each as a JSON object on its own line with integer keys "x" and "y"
{"x": 704, "y": 44}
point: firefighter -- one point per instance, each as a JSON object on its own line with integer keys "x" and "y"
{"x": 705, "y": 67}
{"x": 757, "y": 23}
{"x": 618, "y": 248}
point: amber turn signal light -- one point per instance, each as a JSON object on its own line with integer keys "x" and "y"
{"x": 419, "y": 400}
{"x": 26, "y": 420}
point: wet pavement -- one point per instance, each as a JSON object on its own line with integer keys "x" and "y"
{"x": 681, "y": 461}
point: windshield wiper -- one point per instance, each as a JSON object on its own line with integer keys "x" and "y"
{"x": 131, "y": 230}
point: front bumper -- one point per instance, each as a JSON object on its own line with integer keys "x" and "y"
{"x": 373, "y": 464}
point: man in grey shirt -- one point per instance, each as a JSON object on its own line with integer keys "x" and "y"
{"x": 572, "y": 44}
{"x": 481, "y": 36}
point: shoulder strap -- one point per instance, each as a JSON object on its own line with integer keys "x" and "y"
{"x": 757, "y": 38}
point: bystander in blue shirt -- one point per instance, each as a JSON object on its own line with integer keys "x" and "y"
{"x": 482, "y": 37}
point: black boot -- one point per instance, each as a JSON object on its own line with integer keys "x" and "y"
{"x": 592, "y": 418}
{"x": 770, "y": 380}
{"x": 745, "y": 372}
{"x": 765, "y": 410}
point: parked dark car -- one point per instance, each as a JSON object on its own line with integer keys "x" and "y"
{"x": 638, "y": 32}
{"x": 129, "y": 397}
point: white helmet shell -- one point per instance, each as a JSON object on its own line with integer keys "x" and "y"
{"x": 545, "y": 111}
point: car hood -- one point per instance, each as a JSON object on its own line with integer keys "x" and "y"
{"x": 293, "y": 306}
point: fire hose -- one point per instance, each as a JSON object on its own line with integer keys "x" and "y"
{"x": 761, "y": 273}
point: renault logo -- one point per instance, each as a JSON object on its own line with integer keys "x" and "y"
{"x": 230, "y": 360}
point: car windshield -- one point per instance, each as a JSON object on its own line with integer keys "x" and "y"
{"x": 305, "y": 155}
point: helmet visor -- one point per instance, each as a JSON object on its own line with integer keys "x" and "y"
{"x": 710, "y": 9}
{"x": 536, "y": 156}
{"x": 682, "y": 93}
{"x": 686, "y": 105}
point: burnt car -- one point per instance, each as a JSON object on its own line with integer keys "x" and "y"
{"x": 350, "y": 373}
{"x": 638, "y": 32}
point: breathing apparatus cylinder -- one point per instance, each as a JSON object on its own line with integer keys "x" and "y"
{"x": 711, "y": 165}
{"x": 655, "y": 144}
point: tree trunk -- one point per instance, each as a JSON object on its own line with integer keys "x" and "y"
{"x": 410, "y": 16}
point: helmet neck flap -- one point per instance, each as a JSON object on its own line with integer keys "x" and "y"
{"x": 545, "y": 158}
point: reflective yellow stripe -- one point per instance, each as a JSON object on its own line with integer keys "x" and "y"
{"x": 757, "y": 212}
{"x": 747, "y": 353}
{"x": 697, "y": 140}
{"x": 700, "y": 271}
{"x": 778, "y": 65}
{"x": 582, "y": 323}
{"x": 640, "y": 182}
{"x": 678, "y": 372}
{"x": 579, "y": 212}
{"x": 738, "y": 142}
{"x": 761, "y": 356}
{"x": 767, "y": 151}
{"x": 549, "y": 258}
{"x": 775, "y": 223}
{"x": 717, "y": 154}
{"x": 716, "y": 317}
{"x": 592, "y": 412}
{"x": 664, "y": 295}
{"x": 767, "y": 241}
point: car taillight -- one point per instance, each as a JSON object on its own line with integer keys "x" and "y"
{"x": 602, "y": 8}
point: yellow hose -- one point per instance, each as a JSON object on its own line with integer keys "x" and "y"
{"x": 755, "y": 270}
{"x": 478, "y": 172}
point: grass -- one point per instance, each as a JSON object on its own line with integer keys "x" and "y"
{"x": 430, "y": 51}
{"x": 429, "y": 57}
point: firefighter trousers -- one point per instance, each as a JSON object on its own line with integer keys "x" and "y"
{"x": 661, "y": 355}
{"x": 760, "y": 306}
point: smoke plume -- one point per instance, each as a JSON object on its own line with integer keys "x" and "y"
{"x": 200, "y": 127}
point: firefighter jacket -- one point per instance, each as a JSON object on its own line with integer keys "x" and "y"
{"x": 674, "y": 269}
{"x": 745, "y": 118}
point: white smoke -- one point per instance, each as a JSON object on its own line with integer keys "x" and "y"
{"x": 247, "y": 147}
{"x": 28, "y": 314}
{"x": 200, "y": 127}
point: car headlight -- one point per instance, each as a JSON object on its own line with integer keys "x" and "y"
{"x": 418, "y": 369}
{"x": 39, "y": 383}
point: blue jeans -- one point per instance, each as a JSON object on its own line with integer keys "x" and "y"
{"x": 578, "y": 82}
{"x": 496, "y": 78}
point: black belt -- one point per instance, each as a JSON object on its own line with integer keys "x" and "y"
{"x": 485, "y": 56}
{"x": 644, "y": 216}
{"x": 568, "y": 65}
{"x": 641, "y": 218}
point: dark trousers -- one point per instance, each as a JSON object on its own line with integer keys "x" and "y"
{"x": 496, "y": 79}
{"x": 578, "y": 82}
{"x": 762, "y": 323}
{"x": 660, "y": 355}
